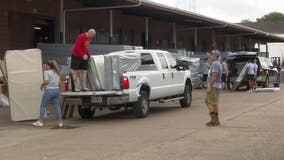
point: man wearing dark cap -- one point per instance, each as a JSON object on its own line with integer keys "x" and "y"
{"x": 214, "y": 85}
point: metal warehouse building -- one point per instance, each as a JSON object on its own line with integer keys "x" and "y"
{"x": 23, "y": 23}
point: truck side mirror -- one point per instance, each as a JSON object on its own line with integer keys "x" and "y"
{"x": 179, "y": 67}
{"x": 175, "y": 66}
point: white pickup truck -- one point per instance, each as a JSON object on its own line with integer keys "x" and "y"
{"x": 157, "y": 79}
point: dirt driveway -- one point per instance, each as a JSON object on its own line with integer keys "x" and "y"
{"x": 252, "y": 129}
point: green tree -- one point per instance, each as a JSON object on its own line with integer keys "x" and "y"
{"x": 271, "y": 17}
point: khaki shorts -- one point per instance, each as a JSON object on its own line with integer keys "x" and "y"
{"x": 212, "y": 97}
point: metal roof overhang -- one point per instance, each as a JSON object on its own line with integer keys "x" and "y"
{"x": 105, "y": 3}
{"x": 166, "y": 13}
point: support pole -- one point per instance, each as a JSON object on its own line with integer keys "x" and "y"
{"x": 62, "y": 19}
{"x": 228, "y": 45}
{"x": 110, "y": 26}
{"x": 214, "y": 46}
{"x": 240, "y": 43}
{"x": 174, "y": 36}
{"x": 267, "y": 54}
{"x": 250, "y": 44}
{"x": 93, "y": 9}
{"x": 146, "y": 32}
{"x": 64, "y": 27}
{"x": 195, "y": 39}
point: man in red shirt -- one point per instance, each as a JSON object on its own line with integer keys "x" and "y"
{"x": 80, "y": 57}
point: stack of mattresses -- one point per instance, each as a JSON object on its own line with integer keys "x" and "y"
{"x": 105, "y": 71}
{"x": 24, "y": 71}
{"x": 267, "y": 89}
{"x": 115, "y": 64}
{"x": 96, "y": 76}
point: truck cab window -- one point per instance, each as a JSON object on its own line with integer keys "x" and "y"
{"x": 172, "y": 60}
{"x": 163, "y": 60}
{"x": 147, "y": 62}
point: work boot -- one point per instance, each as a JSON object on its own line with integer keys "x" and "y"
{"x": 211, "y": 123}
{"x": 216, "y": 119}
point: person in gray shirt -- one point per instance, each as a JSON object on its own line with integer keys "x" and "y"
{"x": 214, "y": 85}
{"x": 50, "y": 85}
{"x": 250, "y": 74}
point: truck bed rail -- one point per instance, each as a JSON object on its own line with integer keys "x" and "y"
{"x": 91, "y": 93}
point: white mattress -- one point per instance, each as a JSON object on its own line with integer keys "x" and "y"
{"x": 267, "y": 89}
{"x": 24, "y": 70}
{"x": 99, "y": 60}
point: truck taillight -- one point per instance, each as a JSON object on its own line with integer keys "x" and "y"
{"x": 125, "y": 83}
{"x": 66, "y": 85}
{"x": 260, "y": 72}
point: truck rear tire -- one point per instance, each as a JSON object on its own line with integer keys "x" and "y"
{"x": 187, "y": 97}
{"x": 277, "y": 84}
{"x": 266, "y": 83}
{"x": 86, "y": 113}
{"x": 141, "y": 107}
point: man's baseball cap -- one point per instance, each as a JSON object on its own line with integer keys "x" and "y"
{"x": 216, "y": 52}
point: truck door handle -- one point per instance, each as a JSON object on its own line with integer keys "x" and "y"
{"x": 172, "y": 75}
{"x": 164, "y": 76}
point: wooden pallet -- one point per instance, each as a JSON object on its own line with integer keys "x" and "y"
{"x": 68, "y": 105}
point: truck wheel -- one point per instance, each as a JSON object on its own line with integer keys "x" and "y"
{"x": 278, "y": 82}
{"x": 266, "y": 83}
{"x": 141, "y": 107}
{"x": 86, "y": 113}
{"x": 187, "y": 97}
{"x": 248, "y": 87}
{"x": 228, "y": 85}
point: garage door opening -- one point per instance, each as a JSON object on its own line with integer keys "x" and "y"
{"x": 43, "y": 31}
{"x": 26, "y": 30}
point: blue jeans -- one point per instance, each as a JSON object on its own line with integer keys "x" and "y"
{"x": 53, "y": 95}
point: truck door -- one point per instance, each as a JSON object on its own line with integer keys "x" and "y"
{"x": 149, "y": 66}
{"x": 273, "y": 72}
{"x": 166, "y": 76}
{"x": 177, "y": 77}
{"x": 267, "y": 66}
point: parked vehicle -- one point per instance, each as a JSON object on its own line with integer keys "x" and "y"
{"x": 266, "y": 73}
{"x": 158, "y": 78}
{"x": 194, "y": 65}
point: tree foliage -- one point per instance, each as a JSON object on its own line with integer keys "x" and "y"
{"x": 271, "y": 17}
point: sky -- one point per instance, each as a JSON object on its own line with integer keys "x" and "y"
{"x": 228, "y": 10}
